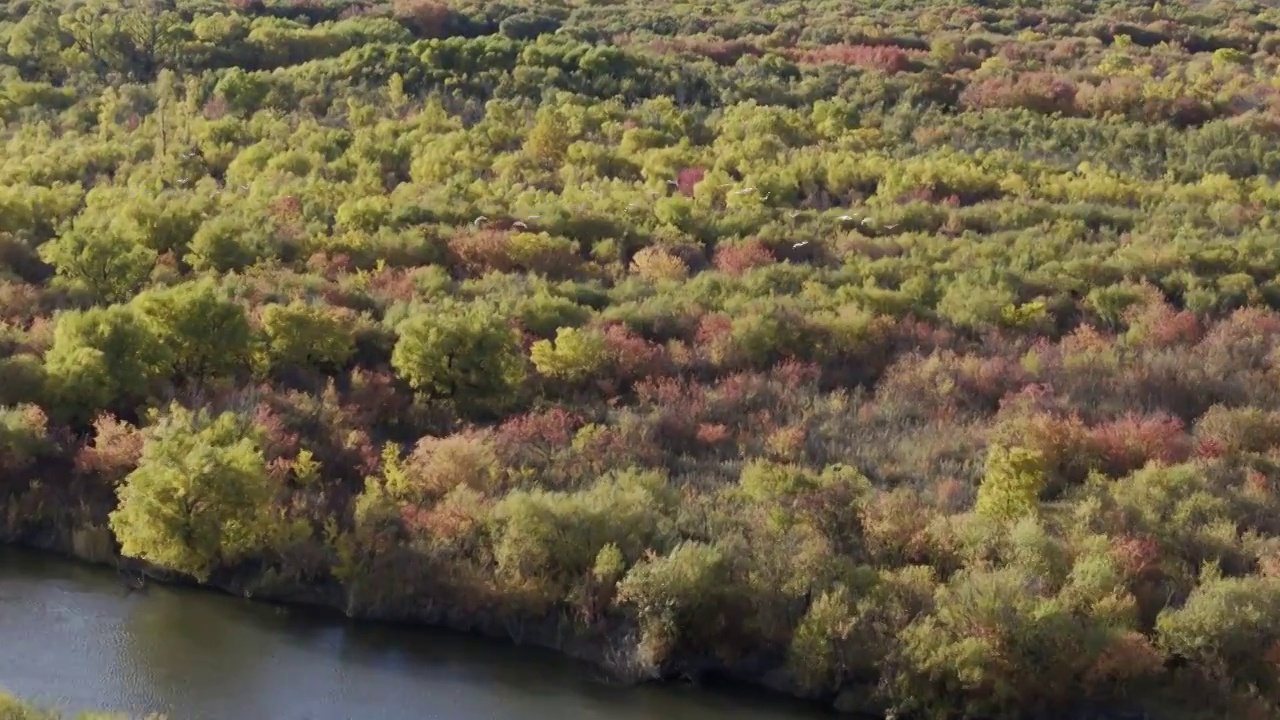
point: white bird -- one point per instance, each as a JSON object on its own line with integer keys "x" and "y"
{"x": 800, "y": 244}
{"x": 244, "y": 187}
{"x": 673, "y": 183}
{"x": 519, "y": 225}
{"x": 845, "y": 218}
{"x": 477, "y": 220}
{"x": 533, "y": 217}
{"x": 890, "y": 227}
{"x": 867, "y": 221}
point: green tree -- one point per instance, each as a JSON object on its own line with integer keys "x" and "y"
{"x": 465, "y": 352}
{"x": 575, "y": 355}
{"x": 205, "y": 333}
{"x": 549, "y": 139}
{"x": 200, "y": 498}
{"x": 225, "y": 243}
{"x": 1012, "y": 483}
{"x": 300, "y": 335}
{"x": 107, "y": 266}
{"x": 102, "y": 357}
{"x": 1229, "y": 627}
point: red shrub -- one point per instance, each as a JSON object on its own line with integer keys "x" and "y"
{"x": 20, "y": 302}
{"x": 1137, "y": 556}
{"x": 214, "y": 108}
{"x": 737, "y": 258}
{"x": 1128, "y": 443}
{"x": 712, "y": 433}
{"x": 671, "y": 391}
{"x": 286, "y": 207}
{"x": 536, "y": 434}
{"x": 722, "y": 52}
{"x": 373, "y": 396}
{"x": 634, "y": 357}
{"x": 794, "y": 373}
{"x": 1240, "y": 342}
{"x": 427, "y": 18}
{"x": 280, "y": 441}
{"x": 713, "y": 336}
{"x": 115, "y": 451}
{"x": 1040, "y": 92}
{"x": 481, "y": 251}
{"x": 1157, "y": 324}
{"x": 688, "y": 178}
{"x": 884, "y": 58}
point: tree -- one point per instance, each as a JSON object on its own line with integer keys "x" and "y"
{"x": 1011, "y": 486}
{"x": 549, "y": 139}
{"x": 683, "y": 600}
{"x": 299, "y": 335}
{"x": 200, "y": 498}
{"x": 109, "y": 267}
{"x": 464, "y": 352}
{"x": 101, "y": 358}
{"x": 206, "y": 334}
{"x": 575, "y": 355}
{"x": 1230, "y": 627}
{"x": 226, "y": 243}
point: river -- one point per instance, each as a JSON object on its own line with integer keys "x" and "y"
{"x": 74, "y": 637}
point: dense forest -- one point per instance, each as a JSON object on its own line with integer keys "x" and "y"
{"x": 917, "y": 357}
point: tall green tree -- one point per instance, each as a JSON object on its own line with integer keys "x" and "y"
{"x": 200, "y": 498}
{"x": 102, "y": 358}
{"x": 110, "y": 268}
{"x": 466, "y": 352}
{"x": 205, "y": 333}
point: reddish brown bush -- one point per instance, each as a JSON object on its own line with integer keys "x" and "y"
{"x": 688, "y": 178}
{"x": 737, "y": 258}
{"x": 634, "y": 357}
{"x": 426, "y": 18}
{"x": 1137, "y": 555}
{"x": 1040, "y": 92}
{"x": 722, "y": 52}
{"x": 477, "y": 252}
{"x": 713, "y": 434}
{"x": 1128, "y": 657}
{"x": 883, "y": 58}
{"x": 533, "y": 438}
{"x": 1157, "y": 324}
{"x": 115, "y": 451}
{"x": 1128, "y": 443}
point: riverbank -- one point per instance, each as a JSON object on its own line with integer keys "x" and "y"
{"x": 92, "y": 544}
{"x": 78, "y": 639}
{"x": 12, "y": 708}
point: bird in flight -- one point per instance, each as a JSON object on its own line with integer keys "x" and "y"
{"x": 800, "y": 244}
{"x": 477, "y": 221}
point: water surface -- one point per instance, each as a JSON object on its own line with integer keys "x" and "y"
{"x": 75, "y": 637}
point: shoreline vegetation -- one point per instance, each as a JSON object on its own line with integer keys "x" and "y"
{"x": 918, "y": 360}
{"x": 11, "y": 708}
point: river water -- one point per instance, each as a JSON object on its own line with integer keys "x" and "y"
{"x": 74, "y": 637}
